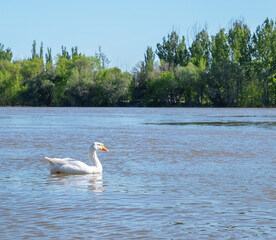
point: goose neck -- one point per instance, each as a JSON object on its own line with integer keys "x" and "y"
{"x": 94, "y": 160}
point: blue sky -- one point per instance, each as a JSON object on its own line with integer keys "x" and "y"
{"x": 123, "y": 28}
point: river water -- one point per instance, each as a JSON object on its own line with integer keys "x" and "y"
{"x": 170, "y": 173}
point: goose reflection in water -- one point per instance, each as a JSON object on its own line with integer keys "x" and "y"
{"x": 90, "y": 182}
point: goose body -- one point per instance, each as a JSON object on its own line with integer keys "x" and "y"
{"x": 71, "y": 166}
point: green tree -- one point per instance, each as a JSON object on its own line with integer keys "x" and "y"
{"x": 79, "y": 88}
{"x": 104, "y": 61}
{"x": 149, "y": 57}
{"x": 48, "y": 56}
{"x": 162, "y": 91}
{"x": 40, "y": 90}
{"x": 41, "y": 50}
{"x": 11, "y": 83}
{"x": 113, "y": 88}
{"x": 63, "y": 72}
{"x": 5, "y": 54}
{"x": 74, "y": 51}
{"x": 142, "y": 73}
{"x": 64, "y": 52}
{"x": 34, "y": 54}
{"x": 139, "y": 83}
{"x": 223, "y": 84}
{"x": 173, "y": 50}
{"x": 201, "y": 50}
{"x": 31, "y": 68}
{"x": 220, "y": 48}
{"x": 31, "y": 71}
{"x": 222, "y": 78}
{"x": 264, "y": 47}
{"x": 190, "y": 84}
{"x": 239, "y": 38}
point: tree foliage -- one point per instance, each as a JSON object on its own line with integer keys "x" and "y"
{"x": 173, "y": 50}
{"x": 200, "y": 50}
{"x": 5, "y": 54}
{"x": 264, "y": 52}
{"x": 233, "y": 68}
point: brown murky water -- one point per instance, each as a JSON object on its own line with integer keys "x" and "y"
{"x": 172, "y": 173}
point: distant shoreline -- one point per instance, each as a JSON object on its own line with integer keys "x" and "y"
{"x": 203, "y": 107}
{"x": 233, "y": 68}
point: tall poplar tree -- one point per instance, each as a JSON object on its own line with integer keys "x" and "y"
{"x": 239, "y": 37}
{"x": 220, "y": 47}
{"x": 200, "y": 50}
{"x": 41, "y": 50}
{"x": 264, "y": 43}
{"x": 34, "y": 50}
{"x": 5, "y": 54}
{"x": 149, "y": 59}
{"x": 173, "y": 50}
{"x": 48, "y": 56}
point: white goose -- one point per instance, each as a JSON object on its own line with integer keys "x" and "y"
{"x": 70, "y": 166}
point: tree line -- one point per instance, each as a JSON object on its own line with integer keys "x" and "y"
{"x": 234, "y": 68}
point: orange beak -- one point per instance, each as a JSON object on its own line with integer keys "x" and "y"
{"x": 104, "y": 149}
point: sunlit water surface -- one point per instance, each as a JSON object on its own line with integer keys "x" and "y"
{"x": 172, "y": 173}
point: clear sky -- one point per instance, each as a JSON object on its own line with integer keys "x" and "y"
{"x": 123, "y": 28}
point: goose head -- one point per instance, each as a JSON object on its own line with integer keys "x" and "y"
{"x": 99, "y": 147}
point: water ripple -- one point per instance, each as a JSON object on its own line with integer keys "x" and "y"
{"x": 170, "y": 174}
